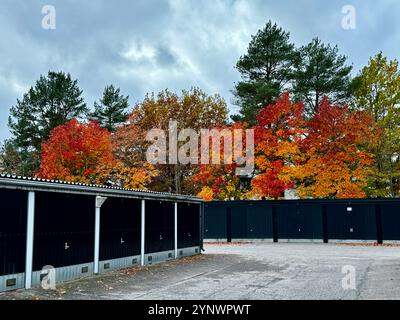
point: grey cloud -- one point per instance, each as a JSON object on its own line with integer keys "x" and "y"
{"x": 148, "y": 45}
{"x": 165, "y": 57}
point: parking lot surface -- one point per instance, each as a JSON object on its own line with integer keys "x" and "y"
{"x": 248, "y": 271}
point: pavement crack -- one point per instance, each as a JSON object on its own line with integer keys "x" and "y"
{"x": 363, "y": 280}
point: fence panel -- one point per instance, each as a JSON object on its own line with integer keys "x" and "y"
{"x": 310, "y": 224}
{"x": 288, "y": 221}
{"x": 390, "y": 219}
{"x": 215, "y": 221}
{"x": 351, "y": 221}
{"x": 259, "y": 222}
{"x": 363, "y": 222}
{"x": 239, "y": 222}
{"x": 338, "y": 223}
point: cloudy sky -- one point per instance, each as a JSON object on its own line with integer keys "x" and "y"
{"x": 149, "y": 45}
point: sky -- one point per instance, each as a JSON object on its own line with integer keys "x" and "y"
{"x": 145, "y": 46}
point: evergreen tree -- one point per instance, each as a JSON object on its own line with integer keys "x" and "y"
{"x": 320, "y": 71}
{"x": 54, "y": 100}
{"x": 266, "y": 70}
{"x": 111, "y": 109}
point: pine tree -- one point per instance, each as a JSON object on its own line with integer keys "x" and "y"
{"x": 111, "y": 109}
{"x": 54, "y": 100}
{"x": 320, "y": 71}
{"x": 266, "y": 70}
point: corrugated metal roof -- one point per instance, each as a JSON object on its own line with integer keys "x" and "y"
{"x": 39, "y": 184}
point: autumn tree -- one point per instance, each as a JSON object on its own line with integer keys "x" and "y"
{"x": 75, "y": 152}
{"x": 82, "y": 152}
{"x": 223, "y": 181}
{"x": 194, "y": 110}
{"x": 219, "y": 182}
{"x": 111, "y": 110}
{"x": 10, "y": 159}
{"x": 279, "y": 130}
{"x": 266, "y": 71}
{"x": 378, "y": 93}
{"x": 54, "y": 100}
{"x": 320, "y": 71}
{"x": 129, "y": 149}
{"x": 334, "y": 160}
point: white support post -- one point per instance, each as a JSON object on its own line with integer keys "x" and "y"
{"x": 142, "y": 232}
{"x": 176, "y": 229}
{"x": 96, "y": 241}
{"x": 201, "y": 231}
{"x": 99, "y": 203}
{"x": 29, "y": 239}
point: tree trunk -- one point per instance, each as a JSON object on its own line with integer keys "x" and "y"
{"x": 177, "y": 177}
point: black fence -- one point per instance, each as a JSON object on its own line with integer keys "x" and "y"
{"x": 360, "y": 219}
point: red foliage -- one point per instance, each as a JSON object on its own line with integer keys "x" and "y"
{"x": 75, "y": 152}
{"x": 336, "y": 161}
{"x": 220, "y": 181}
{"x": 280, "y": 129}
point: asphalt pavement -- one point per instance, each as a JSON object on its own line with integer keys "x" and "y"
{"x": 248, "y": 271}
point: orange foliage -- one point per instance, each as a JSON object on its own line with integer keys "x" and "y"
{"x": 335, "y": 162}
{"x": 220, "y": 181}
{"x": 75, "y": 151}
{"x": 278, "y": 133}
{"x": 206, "y": 193}
{"x": 129, "y": 148}
{"x": 84, "y": 153}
